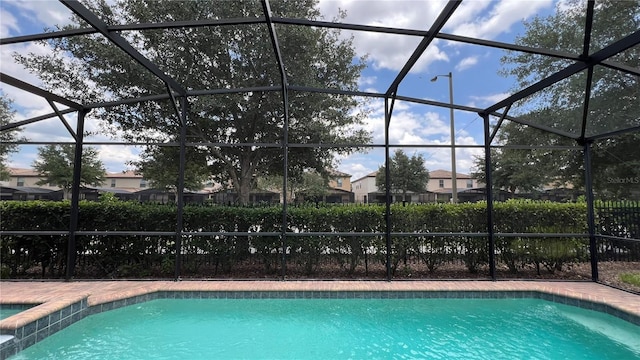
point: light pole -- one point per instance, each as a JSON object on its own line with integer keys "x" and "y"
{"x": 454, "y": 187}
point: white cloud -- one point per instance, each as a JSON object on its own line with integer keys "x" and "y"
{"x": 115, "y": 157}
{"x": 497, "y": 20}
{"x": 8, "y": 25}
{"x": 388, "y": 51}
{"x": 488, "y": 99}
{"x": 47, "y": 13}
{"x": 367, "y": 80}
{"x": 467, "y": 63}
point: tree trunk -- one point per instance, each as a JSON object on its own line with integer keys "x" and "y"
{"x": 244, "y": 190}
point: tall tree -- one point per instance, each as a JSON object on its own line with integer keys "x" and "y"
{"x": 523, "y": 170}
{"x": 309, "y": 185}
{"x": 7, "y": 136}
{"x": 614, "y": 102}
{"x": 159, "y": 165}
{"x": 219, "y": 57}
{"x": 55, "y": 164}
{"x": 407, "y": 174}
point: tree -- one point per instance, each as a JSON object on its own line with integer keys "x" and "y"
{"x": 407, "y": 174}
{"x": 314, "y": 186}
{"x": 309, "y": 185}
{"x": 159, "y": 165}
{"x": 7, "y": 136}
{"x": 219, "y": 57}
{"x": 614, "y": 101}
{"x": 55, "y": 164}
{"x": 522, "y": 170}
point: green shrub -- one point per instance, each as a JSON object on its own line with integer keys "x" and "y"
{"x": 114, "y": 255}
{"x": 631, "y": 278}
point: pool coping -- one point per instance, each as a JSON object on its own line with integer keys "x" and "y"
{"x": 60, "y": 304}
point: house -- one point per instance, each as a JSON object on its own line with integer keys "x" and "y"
{"x": 128, "y": 185}
{"x": 365, "y": 190}
{"x": 339, "y": 188}
{"x": 438, "y": 188}
{"x": 26, "y": 178}
{"x": 125, "y": 180}
{"x": 441, "y": 186}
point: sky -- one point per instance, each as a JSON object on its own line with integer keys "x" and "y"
{"x": 474, "y": 69}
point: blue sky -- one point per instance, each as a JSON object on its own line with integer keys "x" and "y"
{"x": 475, "y": 79}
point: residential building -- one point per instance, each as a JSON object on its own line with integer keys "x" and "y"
{"x": 131, "y": 186}
{"x": 339, "y": 188}
{"x": 438, "y": 188}
{"x": 26, "y": 178}
{"x": 125, "y": 180}
{"x": 364, "y": 188}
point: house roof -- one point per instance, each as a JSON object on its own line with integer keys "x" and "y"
{"x": 435, "y": 174}
{"x": 29, "y": 189}
{"x": 333, "y": 172}
{"x": 444, "y": 174}
{"x": 124, "y": 174}
{"x": 23, "y": 172}
{"x": 373, "y": 174}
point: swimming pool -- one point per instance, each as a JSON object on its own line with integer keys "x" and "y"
{"x": 324, "y": 328}
{"x": 7, "y": 310}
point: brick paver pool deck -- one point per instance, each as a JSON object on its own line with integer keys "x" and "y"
{"x": 71, "y": 299}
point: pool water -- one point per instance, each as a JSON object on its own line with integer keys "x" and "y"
{"x": 344, "y": 329}
{"x": 10, "y": 310}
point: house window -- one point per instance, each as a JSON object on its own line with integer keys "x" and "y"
{"x": 143, "y": 183}
{"x": 339, "y": 182}
{"x": 441, "y": 183}
{"x": 20, "y": 181}
{"x": 113, "y": 182}
{"x": 469, "y": 184}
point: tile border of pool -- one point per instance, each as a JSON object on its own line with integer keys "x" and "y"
{"x": 55, "y": 313}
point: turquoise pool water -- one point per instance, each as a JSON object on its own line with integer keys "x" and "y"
{"x": 10, "y": 310}
{"x": 344, "y": 329}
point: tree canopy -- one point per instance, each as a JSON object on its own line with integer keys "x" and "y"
{"x": 6, "y": 137}
{"x": 614, "y": 104}
{"x": 407, "y": 174}
{"x": 55, "y": 163}
{"x": 231, "y": 130}
{"x": 159, "y": 164}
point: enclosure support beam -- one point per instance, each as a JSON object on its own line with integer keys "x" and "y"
{"x": 180, "y": 189}
{"x": 489, "y": 188}
{"x": 266, "y": 8}
{"x": 388, "y": 110}
{"x": 63, "y": 120}
{"x": 437, "y": 25}
{"x": 591, "y": 222}
{"x": 75, "y": 197}
{"x": 10, "y": 80}
{"x": 122, "y": 43}
{"x": 498, "y": 124}
{"x": 595, "y": 59}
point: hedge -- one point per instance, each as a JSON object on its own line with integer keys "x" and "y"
{"x": 121, "y": 256}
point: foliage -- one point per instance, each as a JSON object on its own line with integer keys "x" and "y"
{"x": 309, "y": 185}
{"x": 55, "y": 164}
{"x": 218, "y": 57}
{"x": 613, "y": 103}
{"x": 7, "y": 136}
{"x": 630, "y": 278}
{"x": 407, "y": 174}
{"x": 214, "y": 248}
{"x": 161, "y": 166}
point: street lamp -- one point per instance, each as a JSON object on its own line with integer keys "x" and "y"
{"x": 454, "y": 187}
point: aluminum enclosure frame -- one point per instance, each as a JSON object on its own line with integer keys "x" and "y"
{"x": 178, "y": 94}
